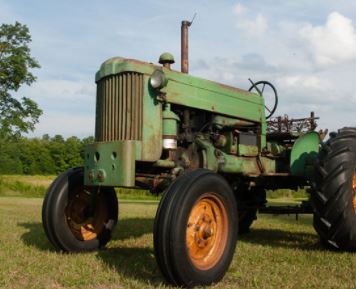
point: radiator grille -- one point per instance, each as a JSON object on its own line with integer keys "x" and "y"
{"x": 119, "y": 103}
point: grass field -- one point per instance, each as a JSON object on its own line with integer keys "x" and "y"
{"x": 36, "y": 186}
{"x": 280, "y": 252}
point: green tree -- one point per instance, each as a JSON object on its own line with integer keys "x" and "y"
{"x": 35, "y": 157}
{"x": 16, "y": 115}
{"x": 10, "y": 162}
{"x": 72, "y": 153}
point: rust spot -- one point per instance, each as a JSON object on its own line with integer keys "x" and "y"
{"x": 101, "y": 175}
{"x": 91, "y": 175}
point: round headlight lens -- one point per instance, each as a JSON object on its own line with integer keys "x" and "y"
{"x": 158, "y": 79}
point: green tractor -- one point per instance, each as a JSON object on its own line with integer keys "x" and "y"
{"x": 213, "y": 151}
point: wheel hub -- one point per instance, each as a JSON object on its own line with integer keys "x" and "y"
{"x": 84, "y": 226}
{"x": 204, "y": 231}
{"x": 207, "y": 231}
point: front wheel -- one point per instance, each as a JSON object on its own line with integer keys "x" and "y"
{"x": 195, "y": 229}
{"x": 334, "y": 197}
{"x": 78, "y": 218}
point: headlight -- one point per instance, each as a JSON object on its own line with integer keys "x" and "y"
{"x": 158, "y": 79}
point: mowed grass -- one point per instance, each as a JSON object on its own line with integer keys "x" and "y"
{"x": 279, "y": 252}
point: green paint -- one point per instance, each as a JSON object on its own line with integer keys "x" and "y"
{"x": 275, "y": 148}
{"x": 170, "y": 121}
{"x": 239, "y": 165}
{"x": 304, "y": 152}
{"x": 223, "y": 121}
{"x": 218, "y": 161}
{"x": 152, "y": 125}
{"x": 115, "y": 161}
{"x": 247, "y": 151}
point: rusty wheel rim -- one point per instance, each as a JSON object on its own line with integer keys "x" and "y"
{"x": 85, "y": 226}
{"x": 207, "y": 231}
{"x": 354, "y": 191}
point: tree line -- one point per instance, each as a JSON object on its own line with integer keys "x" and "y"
{"x": 41, "y": 156}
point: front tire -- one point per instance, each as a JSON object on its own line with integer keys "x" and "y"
{"x": 195, "y": 229}
{"x": 334, "y": 197}
{"x": 66, "y": 216}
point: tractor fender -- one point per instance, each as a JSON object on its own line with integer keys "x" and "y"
{"x": 304, "y": 153}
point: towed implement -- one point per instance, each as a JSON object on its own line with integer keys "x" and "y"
{"x": 212, "y": 151}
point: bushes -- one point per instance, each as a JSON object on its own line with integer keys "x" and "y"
{"x": 45, "y": 156}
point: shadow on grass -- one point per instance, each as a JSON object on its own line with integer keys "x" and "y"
{"x": 35, "y": 236}
{"x": 139, "y": 263}
{"x": 133, "y": 228}
{"x": 134, "y": 263}
{"x": 283, "y": 239}
{"x": 125, "y": 229}
{"x": 303, "y": 219}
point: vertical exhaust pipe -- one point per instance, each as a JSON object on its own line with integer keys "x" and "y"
{"x": 184, "y": 46}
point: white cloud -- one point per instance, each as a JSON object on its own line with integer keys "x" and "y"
{"x": 302, "y": 81}
{"x": 253, "y": 27}
{"x": 68, "y": 106}
{"x": 67, "y": 89}
{"x": 239, "y": 9}
{"x": 332, "y": 43}
{"x": 57, "y": 89}
{"x": 81, "y": 125}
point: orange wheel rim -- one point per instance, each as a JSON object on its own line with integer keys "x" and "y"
{"x": 207, "y": 231}
{"x": 83, "y": 226}
{"x": 354, "y": 191}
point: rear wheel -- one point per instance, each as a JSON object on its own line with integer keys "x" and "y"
{"x": 195, "y": 229}
{"x": 334, "y": 198}
{"x": 73, "y": 218}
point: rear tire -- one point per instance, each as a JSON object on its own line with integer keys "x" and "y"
{"x": 334, "y": 197}
{"x": 65, "y": 217}
{"x": 195, "y": 229}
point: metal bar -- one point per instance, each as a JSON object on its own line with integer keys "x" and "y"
{"x": 124, "y": 103}
{"x": 129, "y": 107}
{"x": 104, "y": 125}
{"x": 134, "y": 103}
{"x": 115, "y": 110}
{"x": 109, "y": 116}
{"x": 120, "y": 108}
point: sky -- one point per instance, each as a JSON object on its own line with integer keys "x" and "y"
{"x": 307, "y": 49}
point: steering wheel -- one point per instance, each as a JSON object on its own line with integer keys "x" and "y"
{"x": 270, "y": 95}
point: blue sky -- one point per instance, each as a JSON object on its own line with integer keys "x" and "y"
{"x": 306, "y": 48}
